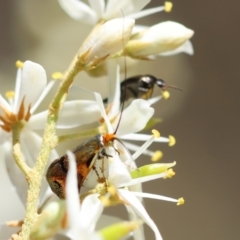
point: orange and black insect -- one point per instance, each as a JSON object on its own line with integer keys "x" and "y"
{"x": 86, "y": 155}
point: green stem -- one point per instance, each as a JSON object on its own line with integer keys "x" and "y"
{"x": 48, "y": 143}
{"x": 17, "y": 154}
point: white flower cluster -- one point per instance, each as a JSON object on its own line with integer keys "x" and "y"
{"x": 114, "y": 36}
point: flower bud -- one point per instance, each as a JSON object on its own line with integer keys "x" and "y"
{"x": 107, "y": 40}
{"x": 162, "y": 37}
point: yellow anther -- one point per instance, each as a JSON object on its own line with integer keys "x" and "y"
{"x": 105, "y": 201}
{"x": 172, "y": 141}
{"x": 168, "y": 6}
{"x": 57, "y": 75}
{"x": 170, "y": 173}
{"x": 19, "y": 64}
{"x": 166, "y": 95}
{"x": 157, "y": 156}
{"x": 180, "y": 201}
{"x": 156, "y": 133}
{"x": 112, "y": 190}
{"x": 10, "y": 94}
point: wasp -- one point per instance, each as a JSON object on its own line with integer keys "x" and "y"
{"x": 86, "y": 155}
{"x": 141, "y": 86}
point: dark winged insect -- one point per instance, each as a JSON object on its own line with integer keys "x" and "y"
{"x": 141, "y": 86}
{"x": 86, "y": 155}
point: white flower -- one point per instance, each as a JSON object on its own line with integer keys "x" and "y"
{"x": 107, "y": 40}
{"x": 99, "y": 10}
{"x": 31, "y": 88}
{"x": 83, "y": 217}
{"x": 164, "y": 37}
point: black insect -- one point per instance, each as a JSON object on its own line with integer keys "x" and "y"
{"x": 141, "y": 86}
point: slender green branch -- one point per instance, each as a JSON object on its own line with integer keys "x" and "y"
{"x": 50, "y": 140}
{"x": 17, "y": 154}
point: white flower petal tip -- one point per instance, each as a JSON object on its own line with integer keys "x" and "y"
{"x": 168, "y": 6}
{"x": 33, "y": 81}
{"x": 122, "y": 229}
{"x": 160, "y": 38}
{"x": 108, "y": 39}
{"x": 157, "y": 156}
{"x": 172, "y": 141}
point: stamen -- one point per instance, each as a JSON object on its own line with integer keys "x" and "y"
{"x": 168, "y": 6}
{"x": 57, "y": 75}
{"x": 19, "y": 64}
{"x": 169, "y": 173}
{"x": 157, "y": 156}
{"x": 9, "y": 94}
{"x": 166, "y": 95}
{"x": 143, "y": 148}
{"x": 172, "y": 141}
{"x": 156, "y": 133}
{"x": 180, "y": 201}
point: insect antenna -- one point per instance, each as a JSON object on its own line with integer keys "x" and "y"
{"x": 162, "y": 84}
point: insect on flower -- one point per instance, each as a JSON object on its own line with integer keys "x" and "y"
{"x": 142, "y": 86}
{"x": 86, "y": 155}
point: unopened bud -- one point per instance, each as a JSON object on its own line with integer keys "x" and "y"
{"x": 107, "y": 40}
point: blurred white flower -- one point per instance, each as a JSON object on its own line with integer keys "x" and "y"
{"x": 107, "y": 40}
{"x": 164, "y": 37}
{"x": 100, "y": 10}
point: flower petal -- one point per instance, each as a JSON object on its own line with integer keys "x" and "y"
{"x": 33, "y": 82}
{"x": 72, "y": 199}
{"x": 73, "y": 114}
{"x": 134, "y": 117}
{"x": 77, "y": 113}
{"x": 115, "y": 8}
{"x": 43, "y": 95}
{"x": 79, "y": 11}
{"x": 118, "y": 173}
{"x": 4, "y": 104}
{"x": 187, "y": 47}
{"x": 91, "y": 211}
{"x": 103, "y": 112}
{"x": 140, "y": 210}
{"x": 97, "y": 6}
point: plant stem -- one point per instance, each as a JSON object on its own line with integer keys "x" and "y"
{"x": 49, "y": 142}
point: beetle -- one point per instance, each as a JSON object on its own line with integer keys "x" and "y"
{"x": 86, "y": 155}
